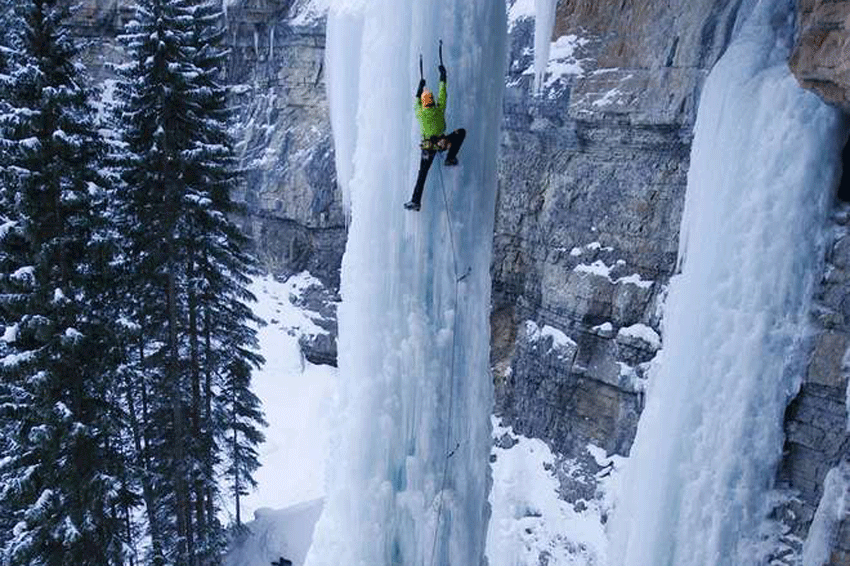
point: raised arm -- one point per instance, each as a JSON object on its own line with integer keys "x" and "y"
{"x": 419, "y": 90}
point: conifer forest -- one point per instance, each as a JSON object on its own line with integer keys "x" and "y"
{"x": 127, "y": 419}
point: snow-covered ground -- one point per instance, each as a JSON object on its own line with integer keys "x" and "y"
{"x": 297, "y": 397}
{"x": 530, "y": 525}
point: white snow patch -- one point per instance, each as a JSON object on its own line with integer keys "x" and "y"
{"x": 276, "y": 534}
{"x": 598, "y": 267}
{"x": 16, "y": 359}
{"x": 606, "y": 328}
{"x": 73, "y": 334}
{"x": 833, "y": 508}
{"x": 530, "y": 521}
{"x": 562, "y": 62}
{"x": 24, "y": 274}
{"x": 600, "y": 455}
{"x": 307, "y": 12}
{"x": 520, "y": 10}
{"x": 6, "y": 227}
{"x": 634, "y": 279}
{"x": 559, "y": 339}
{"x": 562, "y": 59}
{"x": 642, "y": 332}
{"x": 10, "y": 336}
{"x": 602, "y": 269}
{"x": 296, "y": 397}
{"x": 62, "y": 410}
{"x": 611, "y": 97}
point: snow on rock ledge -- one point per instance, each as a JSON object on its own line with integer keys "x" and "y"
{"x": 639, "y": 336}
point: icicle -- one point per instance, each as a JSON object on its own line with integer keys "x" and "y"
{"x": 544, "y": 24}
{"x": 271, "y": 41}
{"x": 344, "y": 35}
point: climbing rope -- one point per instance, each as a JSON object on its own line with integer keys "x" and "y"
{"x": 450, "y": 411}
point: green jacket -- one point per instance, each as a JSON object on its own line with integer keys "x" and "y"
{"x": 432, "y": 121}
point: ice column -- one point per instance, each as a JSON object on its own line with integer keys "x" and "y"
{"x": 409, "y": 464}
{"x": 544, "y": 23}
{"x": 763, "y": 168}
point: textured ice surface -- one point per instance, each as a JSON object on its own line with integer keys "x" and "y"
{"x": 763, "y": 167}
{"x": 833, "y": 508}
{"x": 413, "y": 342}
{"x": 274, "y": 534}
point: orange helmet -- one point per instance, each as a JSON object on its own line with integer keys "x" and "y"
{"x": 427, "y": 98}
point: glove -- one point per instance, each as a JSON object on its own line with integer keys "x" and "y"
{"x": 442, "y": 73}
{"x": 421, "y": 88}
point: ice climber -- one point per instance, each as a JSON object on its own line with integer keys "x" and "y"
{"x": 432, "y": 123}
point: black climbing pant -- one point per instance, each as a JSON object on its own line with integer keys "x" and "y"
{"x": 430, "y": 149}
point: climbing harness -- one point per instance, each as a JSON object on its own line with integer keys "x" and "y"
{"x": 435, "y": 144}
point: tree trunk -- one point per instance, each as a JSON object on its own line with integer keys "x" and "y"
{"x": 143, "y": 463}
{"x": 186, "y": 543}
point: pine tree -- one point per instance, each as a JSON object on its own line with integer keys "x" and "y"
{"x": 187, "y": 268}
{"x": 60, "y": 482}
{"x": 153, "y": 90}
{"x": 221, "y": 269}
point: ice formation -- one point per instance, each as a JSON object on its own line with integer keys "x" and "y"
{"x": 543, "y": 26}
{"x": 409, "y": 475}
{"x": 763, "y": 167}
{"x": 833, "y": 508}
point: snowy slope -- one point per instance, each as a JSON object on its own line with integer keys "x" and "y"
{"x": 296, "y": 396}
{"x": 763, "y": 166}
{"x": 530, "y": 523}
{"x": 410, "y": 478}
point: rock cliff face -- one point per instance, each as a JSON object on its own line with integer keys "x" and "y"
{"x": 816, "y": 421}
{"x": 282, "y": 128}
{"x": 284, "y": 136}
{"x": 592, "y": 187}
{"x": 819, "y": 60}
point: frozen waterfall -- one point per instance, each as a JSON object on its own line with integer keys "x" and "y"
{"x": 763, "y": 166}
{"x": 408, "y": 478}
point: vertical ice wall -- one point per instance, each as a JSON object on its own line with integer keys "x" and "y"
{"x": 763, "y": 167}
{"x": 409, "y": 465}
